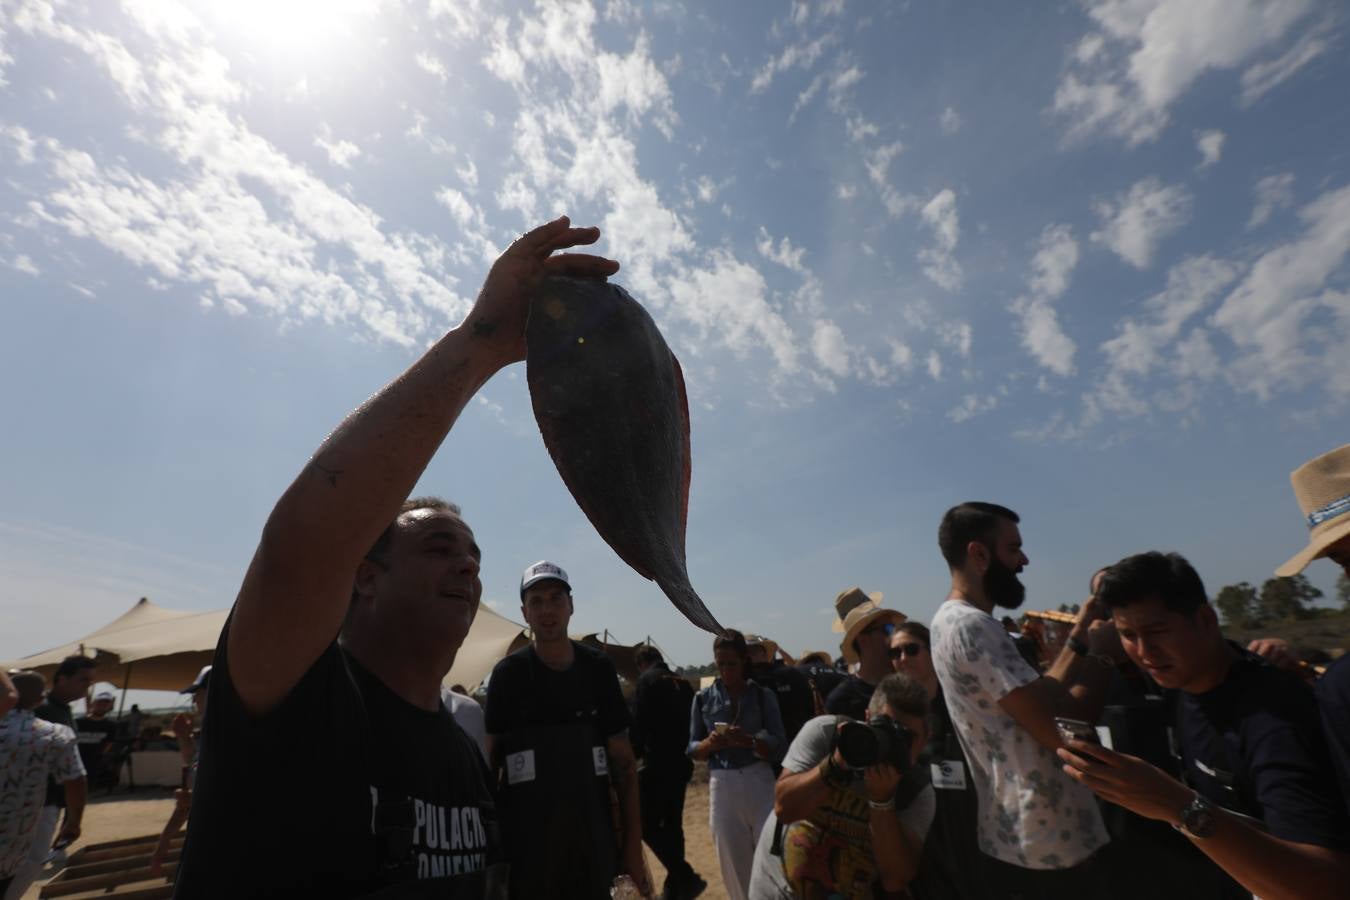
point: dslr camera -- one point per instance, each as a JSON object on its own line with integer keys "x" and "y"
{"x": 879, "y": 740}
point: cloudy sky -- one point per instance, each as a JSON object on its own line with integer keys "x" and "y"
{"x": 1087, "y": 259}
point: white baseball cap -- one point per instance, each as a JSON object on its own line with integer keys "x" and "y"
{"x": 543, "y": 571}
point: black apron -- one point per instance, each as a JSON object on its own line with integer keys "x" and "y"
{"x": 555, "y": 806}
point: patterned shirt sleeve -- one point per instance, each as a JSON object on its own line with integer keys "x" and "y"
{"x": 65, "y": 761}
{"x": 986, "y": 652}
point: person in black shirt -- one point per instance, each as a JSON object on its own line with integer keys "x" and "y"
{"x": 557, "y": 734}
{"x": 821, "y": 675}
{"x": 1258, "y": 797}
{"x": 661, "y": 704}
{"x": 867, "y": 629}
{"x": 329, "y": 766}
{"x": 96, "y": 734}
{"x": 792, "y": 690}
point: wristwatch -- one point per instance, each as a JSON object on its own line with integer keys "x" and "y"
{"x": 1197, "y": 818}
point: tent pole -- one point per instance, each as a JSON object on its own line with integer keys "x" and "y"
{"x": 126, "y": 681}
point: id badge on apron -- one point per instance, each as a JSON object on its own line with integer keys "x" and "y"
{"x": 949, "y": 775}
{"x": 520, "y": 767}
{"x": 600, "y": 760}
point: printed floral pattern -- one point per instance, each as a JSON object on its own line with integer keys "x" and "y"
{"x": 30, "y": 750}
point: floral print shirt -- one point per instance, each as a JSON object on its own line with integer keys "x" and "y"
{"x": 30, "y": 750}
{"x": 1031, "y": 813}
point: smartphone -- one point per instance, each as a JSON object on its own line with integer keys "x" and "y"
{"x": 1076, "y": 730}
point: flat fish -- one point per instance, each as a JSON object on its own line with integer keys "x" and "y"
{"x": 609, "y": 398}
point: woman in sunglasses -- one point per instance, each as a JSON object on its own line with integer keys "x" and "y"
{"x": 909, "y": 654}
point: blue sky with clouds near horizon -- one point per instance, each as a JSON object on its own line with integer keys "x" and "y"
{"x": 1088, "y": 259}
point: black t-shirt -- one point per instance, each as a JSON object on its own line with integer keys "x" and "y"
{"x": 522, "y": 678}
{"x": 58, "y": 712}
{"x": 93, "y": 736}
{"x": 791, "y": 688}
{"x": 850, "y": 698}
{"x": 661, "y": 704}
{"x": 1254, "y": 746}
{"x": 341, "y": 790}
{"x": 1333, "y": 697}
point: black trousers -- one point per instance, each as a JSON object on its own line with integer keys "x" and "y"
{"x": 662, "y": 789}
{"x": 1009, "y": 882}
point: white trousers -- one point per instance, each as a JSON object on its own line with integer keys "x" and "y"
{"x": 44, "y": 832}
{"x": 739, "y": 802}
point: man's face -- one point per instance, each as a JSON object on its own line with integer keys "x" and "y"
{"x": 428, "y": 582}
{"x": 101, "y": 708}
{"x": 547, "y": 608}
{"x": 873, "y": 642}
{"x": 730, "y": 666}
{"x": 1168, "y": 646}
{"x": 72, "y": 687}
{"x": 1005, "y": 561}
{"x": 759, "y": 654}
{"x": 910, "y": 656}
{"x": 1339, "y": 553}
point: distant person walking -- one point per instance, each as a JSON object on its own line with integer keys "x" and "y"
{"x": 33, "y": 751}
{"x": 660, "y": 733}
{"x": 736, "y": 728}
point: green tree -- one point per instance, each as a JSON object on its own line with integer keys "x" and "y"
{"x": 1237, "y": 604}
{"x": 1343, "y": 591}
{"x": 1287, "y": 598}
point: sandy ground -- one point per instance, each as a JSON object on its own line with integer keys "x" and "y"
{"x": 123, "y": 815}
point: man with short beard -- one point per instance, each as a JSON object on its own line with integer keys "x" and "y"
{"x": 1039, "y": 830}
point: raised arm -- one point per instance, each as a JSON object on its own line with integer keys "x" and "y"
{"x": 9, "y": 697}
{"x": 298, "y": 586}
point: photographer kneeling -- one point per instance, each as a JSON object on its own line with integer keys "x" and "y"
{"x": 850, "y": 809}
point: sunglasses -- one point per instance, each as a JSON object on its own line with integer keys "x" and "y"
{"x": 905, "y": 650}
{"x": 887, "y": 628}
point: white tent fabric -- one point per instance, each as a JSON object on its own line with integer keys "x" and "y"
{"x": 153, "y": 648}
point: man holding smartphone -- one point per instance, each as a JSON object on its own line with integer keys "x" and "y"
{"x": 1038, "y": 830}
{"x": 1259, "y": 797}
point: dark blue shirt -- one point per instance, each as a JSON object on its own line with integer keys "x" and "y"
{"x": 756, "y": 714}
{"x": 1254, "y": 746}
{"x": 1333, "y": 696}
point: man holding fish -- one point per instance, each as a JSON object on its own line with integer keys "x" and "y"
{"x": 328, "y": 749}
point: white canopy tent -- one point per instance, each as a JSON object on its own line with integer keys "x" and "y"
{"x": 152, "y": 648}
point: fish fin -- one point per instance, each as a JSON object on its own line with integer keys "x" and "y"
{"x": 688, "y": 455}
{"x": 681, "y": 593}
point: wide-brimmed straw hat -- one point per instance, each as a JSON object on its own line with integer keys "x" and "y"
{"x": 856, "y": 611}
{"x": 770, "y": 646}
{"x": 1322, "y": 488}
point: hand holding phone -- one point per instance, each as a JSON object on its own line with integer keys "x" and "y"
{"x": 1076, "y": 730}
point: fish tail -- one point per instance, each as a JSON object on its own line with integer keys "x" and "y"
{"x": 681, "y": 593}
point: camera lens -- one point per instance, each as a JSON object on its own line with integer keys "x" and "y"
{"x": 858, "y": 745}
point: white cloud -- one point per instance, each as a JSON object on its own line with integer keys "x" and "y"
{"x": 972, "y": 405}
{"x": 938, "y": 261}
{"x": 830, "y": 348}
{"x": 1051, "y": 267}
{"x": 786, "y": 255}
{"x": 340, "y": 153}
{"x": 729, "y": 298}
{"x": 934, "y": 365}
{"x": 957, "y": 335}
{"x": 949, "y": 121}
{"x": 1210, "y": 145}
{"x": 1135, "y": 223}
{"x": 21, "y": 263}
{"x": 1262, "y": 77}
{"x": 1270, "y": 315}
{"x": 795, "y": 56}
{"x": 1274, "y": 192}
{"x": 432, "y": 66}
{"x": 468, "y": 173}
{"x": 1124, "y": 77}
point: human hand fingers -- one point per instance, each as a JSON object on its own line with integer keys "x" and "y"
{"x": 583, "y": 265}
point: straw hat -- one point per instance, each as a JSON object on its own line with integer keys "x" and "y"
{"x": 856, "y": 611}
{"x": 1322, "y": 488}
{"x": 770, "y": 646}
{"x": 819, "y": 657}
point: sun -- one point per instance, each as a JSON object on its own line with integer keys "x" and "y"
{"x": 303, "y": 28}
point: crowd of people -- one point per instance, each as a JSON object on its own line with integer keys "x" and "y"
{"x": 1148, "y": 756}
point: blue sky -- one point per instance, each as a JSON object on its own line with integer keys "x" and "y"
{"x": 1086, "y": 259}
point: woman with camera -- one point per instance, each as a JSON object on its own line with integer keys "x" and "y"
{"x": 736, "y": 728}
{"x": 851, "y": 809}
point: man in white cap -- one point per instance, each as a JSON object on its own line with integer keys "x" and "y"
{"x": 867, "y": 629}
{"x": 1322, "y": 488}
{"x": 326, "y": 685}
{"x": 557, "y": 729}
{"x": 96, "y": 732}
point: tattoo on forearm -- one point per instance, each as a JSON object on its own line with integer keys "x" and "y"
{"x": 329, "y": 475}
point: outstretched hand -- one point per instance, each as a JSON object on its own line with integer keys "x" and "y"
{"x": 1124, "y": 780}
{"x": 499, "y": 314}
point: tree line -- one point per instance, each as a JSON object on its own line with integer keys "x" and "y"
{"x": 1242, "y": 605}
